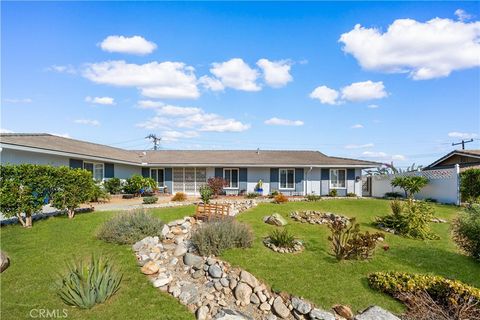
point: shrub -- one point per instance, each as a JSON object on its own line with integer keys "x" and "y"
{"x": 349, "y": 243}
{"x": 113, "y": 185}
{"x": 216, "y": 236}
{"x": 394, "y": 195}
{"x": 217, "y": 184}
{"x": 89, "y": 283}
{"x": 470, "y": 185}
{"x": 130, "y": 227}
{"x": 282, "y": 239}
{"x": 412, "y": 222}
{"x": 466, "y": 231}
{"x": 137, "y": 184}
{"x": 273, "y": 194}
{"x": 431, "y": 200}
{"x": 150, "y": 200}
{"x": 351, "y": 195}
{"x": 128, "y": 196}
{"x": 179, "y": 196}
{"x": 206, "y": 193}
{"x": 410, "y": 184}
{"x": 251, "y": 195}
{"x": 333, "y": 193}
{"x": 99, "y": 193}
{"x": 280, "y": 198}
{"x": 312, "y": 197}
{"x": 450, "y": 295}
{"x": 397, "y": 207}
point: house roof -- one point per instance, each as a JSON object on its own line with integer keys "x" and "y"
{"x": 469, "y": 153}
{"x": 48, "y": 143}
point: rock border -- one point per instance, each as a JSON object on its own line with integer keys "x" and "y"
{"x": 317, "y": 217}
{"x": 298, "y": 246}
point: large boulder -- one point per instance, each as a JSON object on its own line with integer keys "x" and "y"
{"x": 301, "y": 306}
{"x": 4, "y": 261}
{"x": 275, "y": 219}
{"x": 249, "y": 279}
{"x": 243, "y": 293}
{"x": 376, "y": 313}
{"x": 280, "y": 308}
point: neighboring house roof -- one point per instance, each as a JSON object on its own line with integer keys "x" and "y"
{"x": 75, "y": 148}
{"x": 466, "y": 153}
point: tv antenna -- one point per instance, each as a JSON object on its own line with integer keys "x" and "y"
{"x": 155, "y": 139}
{"x": 462, "y": 143}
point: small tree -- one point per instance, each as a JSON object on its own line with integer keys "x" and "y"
{"x": 25, "y": 189}
{"x": 410, "y": 184}
{"x": 470, "y": 185}
{"x": 72, "y": 188}
{"x": 136, "y": 183}
{"x": 217, "y": 184}
{"x": 206, "y": 193}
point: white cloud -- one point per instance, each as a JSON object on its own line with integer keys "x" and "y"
{"x": 168, "y": 80}
{"x": 211, "y": 83}
{"x": 100, "y": 100}
{"x": 462, "y": 15}
{"x": 88, "y": 122}
{"x": 283, "y": 122}
{"x": 462, "y": 135}
{"x": 357, "y": 126}
{"x": 275, "y": 73}
{"x": 133, "y": 45}
{"x": 236, "y": 74}
{"x": 382, "y": 156}
{"x": 359, "y": 146}
{"x": 373, "y": 106}
{"x": 3, "y": 130}
{"x": 425, "y": 50}
{"x": 23, "y": 100}
{"x": 172, "y": 135}
{"x": 168, "y": 117}
{"x": 363, "y": 91}
{"x": 149, "y": 104}
{"x": 62, "y": 69}
{"x": 325, "y": 94}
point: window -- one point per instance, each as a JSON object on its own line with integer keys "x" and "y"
{"x": 231, "y": 176}
{"x": 96, "y": 169}
{"x": 287, "y": 178}
{"x": 159, "y": 176}
{"x": 338, "y": 178}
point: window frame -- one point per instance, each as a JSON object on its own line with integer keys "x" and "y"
{"x": 163, "y": 169}
{"x": 238, "y": 178}
{"x": 286, "y": 178}
{"x": 330, "y": 178}
{"x": 93, "y": 169}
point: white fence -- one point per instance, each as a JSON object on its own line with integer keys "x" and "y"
{"x": 443, "y": 185}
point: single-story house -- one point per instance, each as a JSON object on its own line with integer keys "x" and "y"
{"x": 290, "y": 172}
{"x": 466, "y": 159}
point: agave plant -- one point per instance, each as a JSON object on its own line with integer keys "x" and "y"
{"x": 89, "y": 283}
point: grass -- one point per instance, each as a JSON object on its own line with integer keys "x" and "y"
{"x": 39, "y": 254}
{"x": 317, "y": 276}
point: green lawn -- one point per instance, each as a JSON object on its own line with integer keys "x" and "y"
{"x": 40, "y": 253}
{"x": 318, "y": 277}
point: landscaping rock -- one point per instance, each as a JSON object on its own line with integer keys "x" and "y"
{"x": 227, "y": 314}
{"x": 301, "y": 306}
{"x": 163, "y": 281}
{"x": 149, "y": 268}
{"x": 165, "y": 231}
{"x": 254, "y": 299}
{"x": 202, "y": 313}
{"x": 4, "y": 261}
{"x": 215, "y": 271}
{"x": 193, "y": 260}
{"x": 243, "y": 292}
{"x": 376, "y": 313}
{"x": 180, "y": 250}
{"x": 275, "y": 219}
{"x": 249, "y": 279}
{"x": 343, "y": 311}
{"x": 280, "y": 308}
{"x": 319, "y": 314}
{"x": 265, "y": 307}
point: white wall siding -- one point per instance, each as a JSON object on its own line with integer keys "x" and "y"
{"x": 124, "y": 171}
{"x": 18, "y": 157}
{"x": 255, "y": 174}
{"x": 210, "y": 172}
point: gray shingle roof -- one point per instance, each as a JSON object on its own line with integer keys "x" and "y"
{"x": 181, "y": 157}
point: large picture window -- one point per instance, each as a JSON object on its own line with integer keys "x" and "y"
{"x": 338, "y": 178}
{"x": 231, "y": 176}
{"x": 287, "y": 178}
{"x": 97, "y": 170}
{"x": 159, "y": 176}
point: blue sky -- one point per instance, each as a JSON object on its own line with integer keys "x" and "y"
{"x": 401, "y": 87}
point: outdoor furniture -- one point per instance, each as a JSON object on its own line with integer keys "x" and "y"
{"x": 212, "y": 211}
